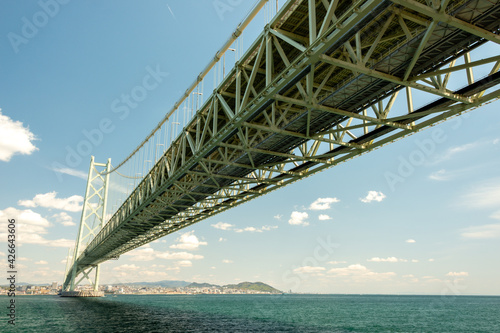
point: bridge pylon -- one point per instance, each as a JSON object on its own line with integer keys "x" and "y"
{"x": 92, "y": 221}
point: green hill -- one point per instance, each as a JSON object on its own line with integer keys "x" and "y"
{"x": 256, "y": 286}
{"x": 201, "y": 285}
{"x": 164, "y": 283}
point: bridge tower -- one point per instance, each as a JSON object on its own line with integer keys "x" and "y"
{"x": 92, "y": 221}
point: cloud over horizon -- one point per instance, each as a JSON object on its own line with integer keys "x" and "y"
{"x": 31, "y": 226}
{"x": 49, "y": 200}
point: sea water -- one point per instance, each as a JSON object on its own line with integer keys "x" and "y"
{"x": 255, "y": 313}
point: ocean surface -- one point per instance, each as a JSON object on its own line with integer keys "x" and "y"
{"x": 254, "y": 313}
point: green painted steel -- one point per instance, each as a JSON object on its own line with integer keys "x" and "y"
{"x": 316, "y": 88}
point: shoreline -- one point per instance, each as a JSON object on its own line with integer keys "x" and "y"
{"x": 286, "y": 294}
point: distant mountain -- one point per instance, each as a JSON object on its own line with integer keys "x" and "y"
{"x": 256, "y": 286}
{"x": 163, "y": 283}
{"x": 202, "y": 285}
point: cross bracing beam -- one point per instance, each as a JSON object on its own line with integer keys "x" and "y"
{"x": 93, "y": 215}
{"x": 318, "y": 87}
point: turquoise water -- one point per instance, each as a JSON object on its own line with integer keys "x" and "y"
{"x": 255, "y": 313}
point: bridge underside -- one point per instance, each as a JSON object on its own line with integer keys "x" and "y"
{"x": 317, "y": 88}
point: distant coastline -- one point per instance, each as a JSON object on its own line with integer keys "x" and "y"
{"x": 153, "y": 288}
{"x": 167, "y": 287}
{"x": 282, "y": 294}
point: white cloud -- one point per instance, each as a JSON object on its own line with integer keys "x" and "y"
{"x": 141, "y": 274}
{"x": 324, "y": 217}
{"x": 457, "y": 274}
{"x": 309, "y": 269}
{"x": 49, "y": 200}
{"x": 269, "y": 227}
{"x": 126, "y": 267}
{"x": 59, "y": 242}
{"x": 222, "y": 239}
{"x": 188, "y": 241}
{"x": 143, "y": 253}
{"x": 184, "y": 263}
{"x": 14, "y": 138}
{"x": 153, "y": 275}
{"x": 410, "y": 241}
{"x": 227, "y": 261}
{"x": 448, "y": 154}
{"x": 253, "y": 229}
{"x": 179, "y": 256}
{"x": 323, "y": 203}
{"x": 348, "y": 270}
{"x": 71, "y": 172}
{"x": 484, "y": 195}
{"x": 359, "y": 272}
{"x": 373, "y": 196}
{"x": 446, "y": 175}
{"x": 459, "y": 149}
{"x": 64, "y": 219}
{"x": 41, "y": 262}
{"x": 337, "y": 262}
{"x": 440, "y": 175}
{"x": 298, "y": 218}
{"x": 486, "y": 231}
{"x": 2, "y": 254}
{"x": 222, "y": 225}
{"x": 30, "y": 228}
{"x": 278, "y": 216}
{"x": 410, "y": 278}
{"x": 388, "y": 259}
{"x": 34, "y": 221}
{"x": 248, "y": 229}
{"x": 431, "y": 260}
{"x": 414, "y": 260}
{"x": 41, "y": 274}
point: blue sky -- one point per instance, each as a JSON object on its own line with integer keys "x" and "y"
{"x": 349, "y": 229}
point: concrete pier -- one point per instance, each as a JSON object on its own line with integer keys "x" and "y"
{"x": 83, "y": 293}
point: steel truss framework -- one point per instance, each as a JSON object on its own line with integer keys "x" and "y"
{"x": 94, "y": 208}
{"x": 317, "y": 88}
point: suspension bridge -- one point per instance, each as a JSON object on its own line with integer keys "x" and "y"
{"x": 324, "y": 82}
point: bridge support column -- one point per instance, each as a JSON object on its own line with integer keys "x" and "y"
{"x": 92, "y": 221}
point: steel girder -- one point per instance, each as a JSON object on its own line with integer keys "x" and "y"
{"x": 317, "y": 88}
